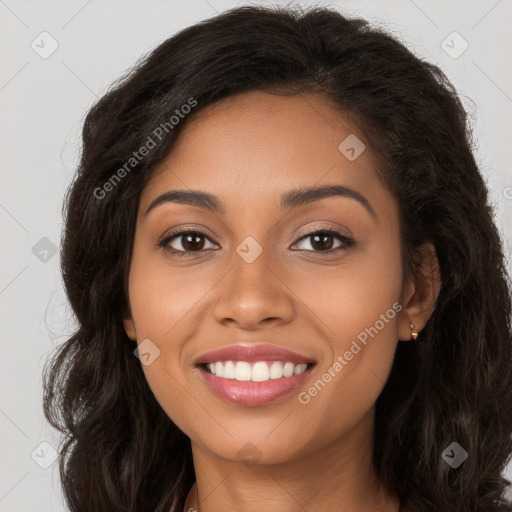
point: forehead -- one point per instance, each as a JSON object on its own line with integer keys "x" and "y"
{"x": 255, "y": 145}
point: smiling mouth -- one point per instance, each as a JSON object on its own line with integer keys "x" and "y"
{"x": 257, "y": 383}
{"x": 258, "y": 371}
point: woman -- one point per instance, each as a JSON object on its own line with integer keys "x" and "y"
{"x": 290, "y": 290}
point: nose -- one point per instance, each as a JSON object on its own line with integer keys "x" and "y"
{"x": 255, "y": 293}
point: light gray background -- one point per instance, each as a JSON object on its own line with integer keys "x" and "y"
{"x": 43, "y": 101}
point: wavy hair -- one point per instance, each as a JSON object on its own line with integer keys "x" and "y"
{"x": 453, "y": 385}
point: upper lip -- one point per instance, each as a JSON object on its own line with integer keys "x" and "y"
{"x": 252, "y": 353}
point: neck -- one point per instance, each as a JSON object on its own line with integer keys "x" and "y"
{"x": 338, "y": 476}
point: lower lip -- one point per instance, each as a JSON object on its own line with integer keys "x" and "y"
{"x": 250, "y": 393}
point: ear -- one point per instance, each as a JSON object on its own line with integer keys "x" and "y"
{"x": 129, "y": 325}
{"x": 420, "y": 292}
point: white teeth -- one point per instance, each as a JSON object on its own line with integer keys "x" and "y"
{"x": 288, "y": 369}
{"x": 259, "y": 372}
{"x": 300, "y": 368}
{"x": 229, "y": 371}
{"x": 242, "y": 371}
{"x": 276, "y": 370}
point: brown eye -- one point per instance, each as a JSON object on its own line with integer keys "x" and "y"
{"x": 186, "y": 241}
{"x": 192, "y": 242}
{"x": 323, "y": 241}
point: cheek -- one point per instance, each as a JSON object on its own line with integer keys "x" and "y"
{"x": 164, "y": 296}
{"x": 162, "y": 302}
{"x": 352, "y": 296}
{"x": 360, "y": 308}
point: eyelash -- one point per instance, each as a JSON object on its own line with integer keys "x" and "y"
{"x": 346, "y": 241}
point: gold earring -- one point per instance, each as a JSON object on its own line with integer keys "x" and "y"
{"x": 414, "y": 332}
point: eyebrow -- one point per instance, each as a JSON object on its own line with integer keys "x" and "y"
{"x": 291, "y": 199}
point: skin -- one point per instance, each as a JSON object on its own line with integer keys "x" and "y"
{"x": 248, "y": 150}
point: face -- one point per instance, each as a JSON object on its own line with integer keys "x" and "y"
{"x": 321, "y": 278}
